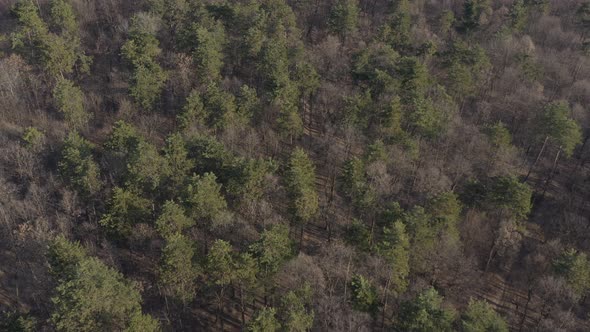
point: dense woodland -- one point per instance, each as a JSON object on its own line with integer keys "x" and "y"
{"x": 294, "y": 165}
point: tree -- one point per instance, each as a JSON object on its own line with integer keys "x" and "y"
{"x": 355, "y": 185}
{"x": 172, "y": 220}
{"x": 91, "y": 296}
{"x": 203, "y": 196}
{"x": 177, "y": 272}
{"x": 147, "y": 84}
{"x": 507, "y": 193}
{"x": 146, "y": 168}
{"x": 178, "y": 163}
{"x": 16, "y": 322}
{"x": 481, "y": 317}
{"x": 220, "y": 267}
{"x": 518, "y": 15}
{"x": 141, "y": 51}
{"x": 472, "y": 12}
{"x": 395, "y": 248}
{"x": 124, "y": 139}
{"x": 445, "y": 209}
{"x": 69, "y": 100}
{"x": 300, "y": 183}
{"x": 343, "y": 18}
{"x": 264, "y": 320}
{"x": 425, "y": 313}
{"x": 246, "y": 281}
{"x": 575, "y": 267}
{"x": 363, "y": 295}
{"x": 208, "y": 53}
{"x": 126, "y": 208}
{"x": 57, "y": 54}
{"x": 77, "y": 166}
{"x": 295, "y": 313}
{"x": 63, "y": 17}
{"x": 193, "y": 111}
{"x": 219, "y": 105}
{"x": 554, "y": 122}
{"x": 271, "y": 251}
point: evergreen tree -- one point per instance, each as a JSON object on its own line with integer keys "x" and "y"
{"x": 264, "y": 320}
{"x": 91, "y": 296}
{"x": 481, "y": 317}
{"x": 69, "y": 101}
{"x": 172, "y": 220}
{"x": 177, "y": 272}
{"x": 77, "y": 165}
{"x": 425, "y": 314}
{"x": 363, "y": 295}
{"x": 300, "y": 183}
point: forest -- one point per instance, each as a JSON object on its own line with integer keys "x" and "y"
{"x": 294, "y": 165}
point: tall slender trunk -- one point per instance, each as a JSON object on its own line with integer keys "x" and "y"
{"x": 536, "y": 160}
{"x": 550, "y": 177}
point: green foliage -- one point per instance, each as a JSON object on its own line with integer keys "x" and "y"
{"x": 141, "y": 50}
{"x": 63, "y": 257}
{"x": 555, "y": 123}
{"x": 16, "y": 322}
{"x": 33, "y": 138}
{"x": 575, "y": 267}
{"x": 445, "y": 210}
{"x": 91, "y": 296}
{"x": 295, "y": 312}
{"x": 126, "y": 208}
{"x": 248, "y": 103}
{"x": 63, "y": 17}
{"x": 250, "y": 181}
{"x": 124, "y": 139}
{"x": 506, "y": 192}
{"x": 220, "y": 263}
{"x": 58, "y": 54}
{"x": 425, "y": 313}
{"x": 77, "y": 166}
{"x": 219, "y": 105}
{"x": 481, "y": 317}
{"x": 208, "y": 54}
{"x": 447, "y": 20}
{"x": 472, "y": 12}
{"x": 193, "y": 111}
{"x": 176, "y": 156}
{"x": 33, "y": 31}
{"x": 300, "y": 183}
{"x": 264, "y": 320}
{"x": 363, "y": 295}
{"x": 395, "y": 248}
{"x": 518, "y": 15}
{"x": 290, "y": 122}
{"x": 147, "y": 84}
{"x": 205, "y": 201}
{"x": 146, "y": 168}
{"x": 69, "y": 100}
{"x": 400, "y": 25}
{"x": 172, "y": 220}
{"x": 177, "y": 272}
{"x": 359, "y": 235}
{"x": 374, "y": 59}
{"x": 343, "y": 18}
{"x": 355, "y": 185}
{"x": 272, "y": 249}
{"x": 499, "y": 135}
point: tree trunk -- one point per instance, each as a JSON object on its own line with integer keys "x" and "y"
{"x": 536, "y": 160}
{"x": 550, "y": 177}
